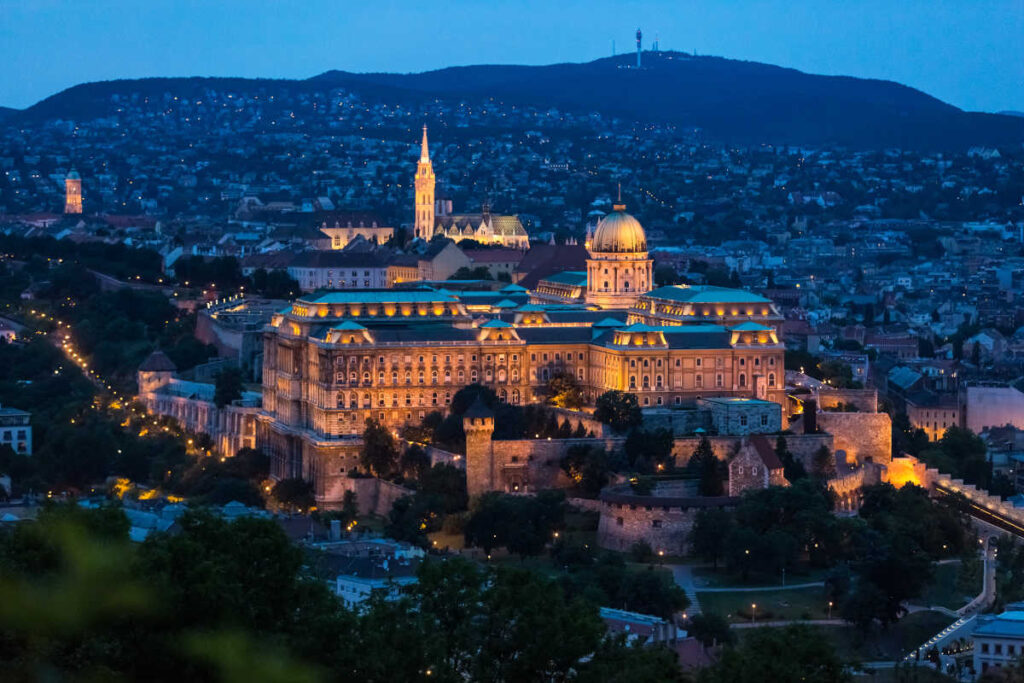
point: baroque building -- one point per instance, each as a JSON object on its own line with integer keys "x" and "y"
{"x": 334, "y": 359}
{"x": 619, "y": 268}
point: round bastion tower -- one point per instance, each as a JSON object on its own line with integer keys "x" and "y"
{"x": 619, "y": 269}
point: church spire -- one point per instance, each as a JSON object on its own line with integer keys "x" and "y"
{"x": 423, "y": 222}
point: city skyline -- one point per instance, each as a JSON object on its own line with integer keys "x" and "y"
{"x": 909, "y": 44}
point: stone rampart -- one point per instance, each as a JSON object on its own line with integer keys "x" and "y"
{"x": 663, "y": 522}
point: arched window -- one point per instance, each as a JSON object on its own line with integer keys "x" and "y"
{"x": 743, "y": 380}
{"x": 515, "y": 396}
{"x": 447, "y": 376}
{"x": 502, "y": 375}
{"x": 771, "y": 379}
{"x": 658, "y": 381}
{"x": 632, "y": 381}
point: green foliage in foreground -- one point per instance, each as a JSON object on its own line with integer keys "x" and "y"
{"x": 228, "y": 601}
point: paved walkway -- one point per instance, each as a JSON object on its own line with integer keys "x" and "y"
{"x": 808, "y": 622}
{"x": 751, "y": 589}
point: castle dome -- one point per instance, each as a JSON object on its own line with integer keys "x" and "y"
{"x": 619, "y": 232}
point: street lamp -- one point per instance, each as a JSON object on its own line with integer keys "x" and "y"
{"x": 753, "y": 613}
{"x": 829, "y": 609}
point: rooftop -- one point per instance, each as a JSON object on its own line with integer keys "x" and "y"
{"x": 377, "y": 296}
{"x": 705, "y": 294}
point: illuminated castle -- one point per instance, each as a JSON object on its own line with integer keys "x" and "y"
{"x": 73, "y": 192}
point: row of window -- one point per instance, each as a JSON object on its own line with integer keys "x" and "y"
{"x": 352, "y": 361}
{"x": 353, "y": 402}
{"x": 659, "y": 382}
{"x": 502, "y": 375}
{"x": 997, "y": 648}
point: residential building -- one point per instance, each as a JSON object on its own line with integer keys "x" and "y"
{"x": 16, "y": 430}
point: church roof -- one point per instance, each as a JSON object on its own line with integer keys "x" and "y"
{"x": 504, "y": 226}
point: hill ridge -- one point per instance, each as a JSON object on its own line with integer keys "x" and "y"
{"x": 732, "y": 101}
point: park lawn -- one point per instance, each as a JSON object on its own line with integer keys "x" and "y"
{"x": 942, "y": 590}
{"x": 772, "y": 605}
{"x": 723, "y": 578}
{"x": 891, "y": 644}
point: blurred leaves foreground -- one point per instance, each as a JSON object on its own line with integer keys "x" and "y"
{"x": 229, "y": 601}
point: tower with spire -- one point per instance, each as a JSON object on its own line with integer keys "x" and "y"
{"x": 424, "y": 220}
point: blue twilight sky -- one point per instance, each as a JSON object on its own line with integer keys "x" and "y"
{"x": 966, "y": 52}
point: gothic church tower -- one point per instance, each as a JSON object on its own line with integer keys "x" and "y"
{"x": 424, "y": 223}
